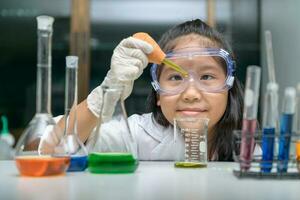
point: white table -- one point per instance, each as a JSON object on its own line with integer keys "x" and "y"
{"x": 152, "y": 180}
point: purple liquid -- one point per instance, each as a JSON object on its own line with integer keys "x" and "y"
{"x": 247, "y": 143}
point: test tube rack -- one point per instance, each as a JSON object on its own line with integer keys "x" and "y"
{"x": 257, "y": 166}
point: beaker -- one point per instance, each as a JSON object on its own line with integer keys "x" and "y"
{"x": 115, "y": 150}
{"x": 192, "y": 132}
{"x": 71, "y": 142}
{"x": 30, "y": 159}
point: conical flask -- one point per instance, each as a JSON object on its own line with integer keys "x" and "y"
{"x": 115, "y": 150}
{"x": 30, "y": 159}
{"x": 71, "y": 142}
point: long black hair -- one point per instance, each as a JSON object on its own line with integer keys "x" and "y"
{"x": 221, "y": 140}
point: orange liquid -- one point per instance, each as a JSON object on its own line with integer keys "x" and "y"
{"x": 298, "y": 154}
{"x": 298, "y": 150}
{"x": 42, "y": 165}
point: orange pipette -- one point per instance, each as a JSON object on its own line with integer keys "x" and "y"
{"x": 158, "y": 56}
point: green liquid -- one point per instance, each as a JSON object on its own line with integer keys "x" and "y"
{"x": 111, "y": 163}
{"x": 190, "y": 165}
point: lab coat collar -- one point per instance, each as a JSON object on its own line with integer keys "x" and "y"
{"x": 155, "y": 130}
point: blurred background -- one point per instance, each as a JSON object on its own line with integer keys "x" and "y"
{"x": 105, "y": 23}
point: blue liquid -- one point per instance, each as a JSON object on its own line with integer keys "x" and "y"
{"x": 268, "y": 149}
{"x": 78, "y": 163}
{"x": 284, "y": 142}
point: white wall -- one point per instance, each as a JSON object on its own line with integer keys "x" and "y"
{"x": 282, "y": 18}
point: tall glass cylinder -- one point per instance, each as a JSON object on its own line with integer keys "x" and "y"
{"x": 36, "y": 156}
{"x": 73, "y": 145}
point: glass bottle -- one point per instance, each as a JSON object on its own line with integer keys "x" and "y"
{"x": 31, "y": 159}
{"x": 72, "y": 144}
{"x": 6, "y": 141}
{"x": 5, "y": 135}
{"x": 115, "y": 150}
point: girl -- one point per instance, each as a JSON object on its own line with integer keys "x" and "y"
{"x": 210, "y": 91}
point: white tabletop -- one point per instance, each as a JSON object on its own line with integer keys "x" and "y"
{"x": 152, "y": 180}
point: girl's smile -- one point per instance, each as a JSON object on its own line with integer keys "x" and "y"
{"x": 195, "y": 111}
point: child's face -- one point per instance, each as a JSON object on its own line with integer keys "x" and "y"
{"x": 192, "y": 101}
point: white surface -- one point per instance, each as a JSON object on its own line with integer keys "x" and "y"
{"x": 152, "y": 180}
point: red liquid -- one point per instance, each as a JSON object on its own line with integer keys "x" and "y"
{"x": 42, "y": 165}
{"x": 247, "y": 143}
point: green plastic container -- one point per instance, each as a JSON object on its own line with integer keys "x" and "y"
{"x": 111, "y": 163}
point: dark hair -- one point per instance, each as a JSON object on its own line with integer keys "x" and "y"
{"x": 232, "y": 118}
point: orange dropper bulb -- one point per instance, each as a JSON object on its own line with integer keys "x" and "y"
{"x": 158, "y": 56}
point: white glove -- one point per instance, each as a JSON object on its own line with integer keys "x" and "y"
{"x": 127, "y": 64}
{"x": 51, "y": 138}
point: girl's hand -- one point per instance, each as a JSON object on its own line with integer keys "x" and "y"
{"x": 127, "y": 64}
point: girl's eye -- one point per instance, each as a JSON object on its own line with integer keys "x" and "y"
{"x": 175, "y": 78}
{"x": 206, "y": 77}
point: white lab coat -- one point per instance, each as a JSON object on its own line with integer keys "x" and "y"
{"x": 153, "y": 141}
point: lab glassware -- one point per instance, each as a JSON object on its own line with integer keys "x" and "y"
{"x": 269, "y": 125}
{"x": 190, "y": 140}
{"x": 115, "y": 150}
{"x": 298, "y": 154}
{"x": 31, "y": 159}
{"x": 249, "y": 115}
{"x": 71, "y": 142}
{"x": 286, "y": 125}
{"x": 297, "y": 116}
{"x": 5, "y": 135}
{"x": 261, "y": 169}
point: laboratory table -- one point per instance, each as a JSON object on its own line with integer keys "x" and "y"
{"x": 152, "y": 180}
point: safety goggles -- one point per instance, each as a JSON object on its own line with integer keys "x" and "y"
{"x": 209, "y": 69}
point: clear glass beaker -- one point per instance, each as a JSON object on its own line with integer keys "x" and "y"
{"x": 115, "y": 149}
{"x": 190, "y": 136}
{"x": 71, "y": 142}
{"x": 30, "y": 159}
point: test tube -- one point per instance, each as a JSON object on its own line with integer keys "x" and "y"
{"x": 269, "y": 124}
{"x": 249, "y": 116}
{"x": 270, "y": 57}
{"x": 297, "y": 115}
{"x": 286, "y": 124}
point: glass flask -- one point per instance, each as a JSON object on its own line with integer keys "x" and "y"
{"x": 115, "y": 150}
{"x": 190, "y": 136}
{"x": 34, "y": 158}
{"x": 71, "y": 142}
